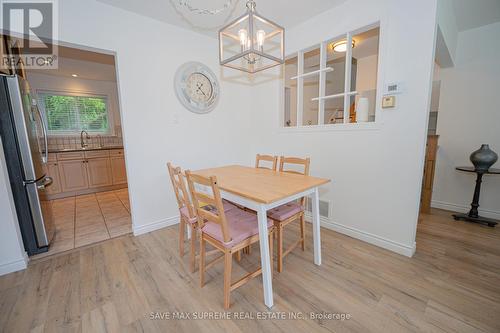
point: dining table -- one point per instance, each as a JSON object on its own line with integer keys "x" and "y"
{"x": 262, "y": 189}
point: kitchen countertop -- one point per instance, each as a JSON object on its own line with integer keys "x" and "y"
{"x": 67, "y": 150}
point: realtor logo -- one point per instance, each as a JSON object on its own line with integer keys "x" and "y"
{"x": 32, "y": 30}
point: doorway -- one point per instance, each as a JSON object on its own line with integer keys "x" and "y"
{"x": 86, "y": 157}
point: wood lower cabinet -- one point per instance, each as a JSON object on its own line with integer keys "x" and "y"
{"x": 99, "y": 172}
{"x": 118, "y": 170}
{"x": 80, "y": 172}
{"x": 52, "y": 170}
{"x": 73, "y": 174}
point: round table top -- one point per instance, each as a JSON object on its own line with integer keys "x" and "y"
{"x": 492, "y": 171}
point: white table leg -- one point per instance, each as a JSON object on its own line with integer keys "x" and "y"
{"x": 316, "y": 226}
{"x": 264, "y": 256}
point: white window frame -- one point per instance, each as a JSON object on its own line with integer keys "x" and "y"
{"x": 345, "y": 125}
{"x": 109, "y": 132}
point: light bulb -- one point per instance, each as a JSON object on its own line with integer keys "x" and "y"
{"x": 243, "y": 35}
{"x": 261, "y": 36}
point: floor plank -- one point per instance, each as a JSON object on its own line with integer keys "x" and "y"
{"x": 450, "y": 285}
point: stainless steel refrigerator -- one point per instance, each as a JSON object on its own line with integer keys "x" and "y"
{"x": 24, "y": 139}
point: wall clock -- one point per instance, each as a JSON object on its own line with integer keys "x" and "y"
{"x": 197, "y": 87}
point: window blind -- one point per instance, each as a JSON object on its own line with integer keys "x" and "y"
{"x": 71, "y": 113}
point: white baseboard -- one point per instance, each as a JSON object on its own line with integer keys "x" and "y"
{"x": 14, "y": 266}
{"x": 388, "y": 244}
{"x": 145, "y": 228}
{"x": 492, "y": 214}
{"x": 382, "y": 242}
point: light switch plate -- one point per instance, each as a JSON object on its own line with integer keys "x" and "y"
{"x": 388, "y": 102}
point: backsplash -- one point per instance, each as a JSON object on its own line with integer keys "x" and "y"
{"x": 59, "y": 142}
{"x": 73, "y": 142}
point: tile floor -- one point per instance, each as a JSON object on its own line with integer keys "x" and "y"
{"x": 88, "y": 219}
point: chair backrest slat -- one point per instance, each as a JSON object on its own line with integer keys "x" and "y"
{"x": 267, "y": 158}
{"x": 305, "y": 162}
{"x": 180, "y": 190}
{"x": 295, "y": 161}
{"x": 215, "y": 199}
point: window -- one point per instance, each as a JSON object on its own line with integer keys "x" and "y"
{"x": 70, "y": 114}
{"x": 334, "y": 82}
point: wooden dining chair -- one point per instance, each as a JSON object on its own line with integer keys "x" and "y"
{"x": 274, "y": 164}
{"x": 289, "y": 212}
{"x": 267, "y": 158}
{"x": 228, "y": 231}
{"x": 187, "y": 212}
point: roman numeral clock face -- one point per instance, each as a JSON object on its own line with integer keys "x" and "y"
{"x": 196, "y": 87}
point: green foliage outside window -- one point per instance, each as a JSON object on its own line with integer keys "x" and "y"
{"x": 66, "y": 113}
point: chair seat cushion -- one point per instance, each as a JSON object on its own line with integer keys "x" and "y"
{"x": 241, "y": 224}
{"x": 283, "y": 212}
{"x": 185, "y": 213}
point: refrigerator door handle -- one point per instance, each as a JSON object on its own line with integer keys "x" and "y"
{"x": 47, "y": 182}
{"x": 44, "y": 130}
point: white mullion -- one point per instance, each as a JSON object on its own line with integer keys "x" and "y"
{"x": 327, "y": 69}
{"x": 300, "y": 88}
{"x": 347, "y": 83}
{"x": 322, "y": 84}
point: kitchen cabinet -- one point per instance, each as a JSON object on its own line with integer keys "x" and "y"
{"x": 73, "y": 174}
{"x": 99, "y": 172}
{"x": 79, "y": 172}
{"x": 118, "y": 167}
{"x": 118, "y": 170}
{"x": 52, "y": 170}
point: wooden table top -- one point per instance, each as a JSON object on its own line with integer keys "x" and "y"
{"x": 260, "y": 185}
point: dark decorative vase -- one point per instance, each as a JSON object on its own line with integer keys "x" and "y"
{"x": 483, "y": 158}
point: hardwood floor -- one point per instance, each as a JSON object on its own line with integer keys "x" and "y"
{"x": 450, "y": 285}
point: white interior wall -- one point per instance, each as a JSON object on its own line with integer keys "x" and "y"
{"x": 41, "y": 82}
{"x": 469, "y": 115}
{"x": 376, "y": 169}
{"x": 156, "y": 128}
{"x": 12, "y": 254}
{"x": 448, "y": 33}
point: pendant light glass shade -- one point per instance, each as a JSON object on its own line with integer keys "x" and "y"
{"x": 251, "y": 43}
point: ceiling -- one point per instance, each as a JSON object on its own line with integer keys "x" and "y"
{"x": 476, "y": 13}
{"x": 284, "y": 12}
{"x": 86, "y": 64}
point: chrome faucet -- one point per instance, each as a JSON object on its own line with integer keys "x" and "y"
{"x": 83, "y": 143}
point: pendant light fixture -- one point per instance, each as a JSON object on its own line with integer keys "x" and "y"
{"x": 251, "y": 43}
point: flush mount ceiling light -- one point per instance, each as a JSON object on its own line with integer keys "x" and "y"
{"x": 251, "y": 43}
{"x": 74, "y": 75}
{"x": 341, "y": 46}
